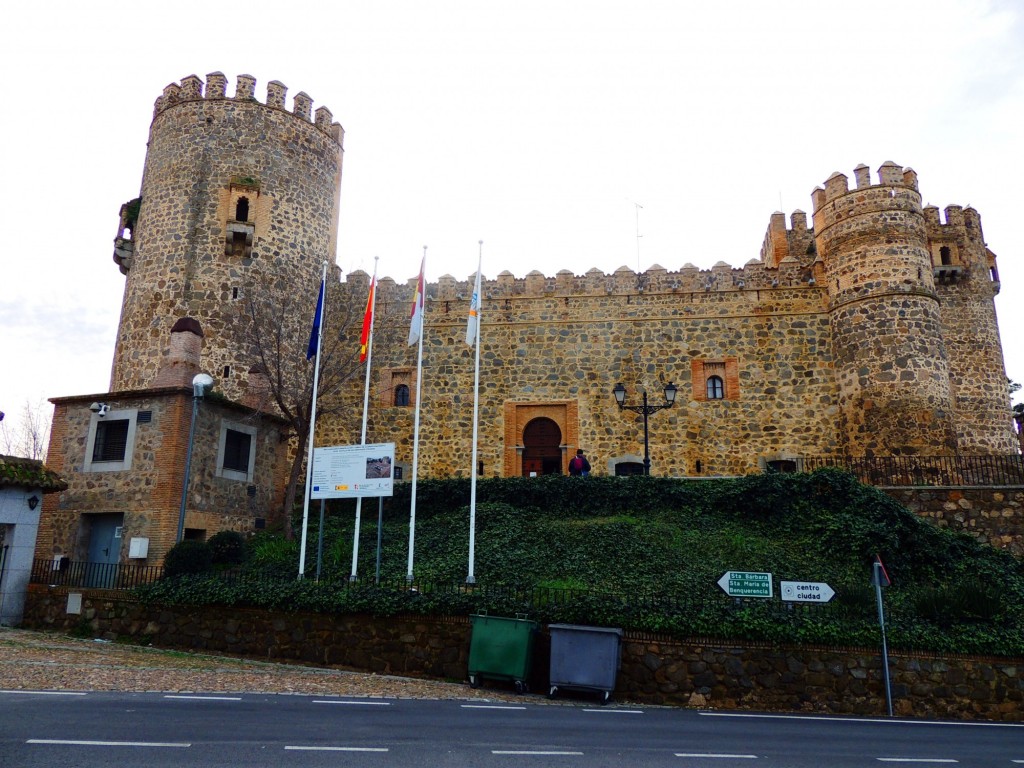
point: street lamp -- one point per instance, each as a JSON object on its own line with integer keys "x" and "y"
{"x": 670, "y": 399}
{"x": 201, "y": 382}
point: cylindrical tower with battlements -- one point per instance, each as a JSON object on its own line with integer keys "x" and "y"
{"x": 236, "y": 193}
{"x": 891, "y": 364}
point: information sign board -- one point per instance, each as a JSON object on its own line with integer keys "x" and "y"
{"x": 350, "y": 471}
{"x": 805, "y": 591}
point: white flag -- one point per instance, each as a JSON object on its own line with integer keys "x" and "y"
{"x": 416, "y": 316}
{"x": 474, "y": 313}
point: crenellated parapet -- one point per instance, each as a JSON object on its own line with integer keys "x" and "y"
{"x": 215, "y": 88}
{"x": 754, "y": 276}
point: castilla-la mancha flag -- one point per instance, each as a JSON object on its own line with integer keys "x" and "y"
{"x": 474, "y": 313}
{"x": 416, "y": 315}
{"x": 364, "y": 339}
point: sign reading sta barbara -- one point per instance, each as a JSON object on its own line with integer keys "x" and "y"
{"x": 805, "y": 591}
{"x": 348, "y": 471}
{"x": 746, "y": 584}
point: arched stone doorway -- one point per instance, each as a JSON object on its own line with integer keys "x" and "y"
{"x": 542, "y": 448}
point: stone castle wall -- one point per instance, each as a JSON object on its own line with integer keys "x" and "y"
{"x": 654, "y": 669}
{"x": 833, "y": 343}
{"x": 189, "y": 253}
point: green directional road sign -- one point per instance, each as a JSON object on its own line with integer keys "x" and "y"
{"x": 746, "y": 584}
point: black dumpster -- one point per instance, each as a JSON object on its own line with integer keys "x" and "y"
{"x": 585, "y": 658}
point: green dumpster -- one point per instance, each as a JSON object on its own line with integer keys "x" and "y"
{"x": 501, "y": 648}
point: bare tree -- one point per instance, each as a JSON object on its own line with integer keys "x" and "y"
{"x": 30, "y": 435}
{"x": 279, "y": 320}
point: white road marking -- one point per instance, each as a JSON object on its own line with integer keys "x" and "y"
{"x": 547, "y": 753}
{"x": 877, "y": 721}
{"x": 337, "y": 749}
{"x": 80, "y": 743}
{"x": 617, "y": 711}
{"x": 47, "y": 693}
{"x": 204, "y": 698}
{"x": 357, "y": 703}
{"x": 915, "y": 760}
{"x": 489, "y": 706}
{"x": 713, "y": 754}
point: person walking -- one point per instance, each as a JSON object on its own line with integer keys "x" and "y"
{"x": 578, "y": 464}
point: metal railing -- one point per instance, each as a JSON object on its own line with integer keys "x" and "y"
{"x": 925, "y": 470}
{"x": 68, "y": 573}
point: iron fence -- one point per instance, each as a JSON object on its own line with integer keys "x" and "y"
{"x": 68, "y": 573}
{"x": 925, "y": 470}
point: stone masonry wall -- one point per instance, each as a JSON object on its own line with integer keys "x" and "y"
{"x": 654, "y": 670}
{"x": 993, "y": 515}
{"x": 149, "y": 493}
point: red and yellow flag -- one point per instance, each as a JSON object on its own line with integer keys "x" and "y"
{"x": 364, "y": 340}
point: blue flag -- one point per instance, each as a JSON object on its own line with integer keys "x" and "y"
{"x": 314, "y": 335}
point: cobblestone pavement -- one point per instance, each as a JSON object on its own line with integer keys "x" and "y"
{"x": 47, "y": 661}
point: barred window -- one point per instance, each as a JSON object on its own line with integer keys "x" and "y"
{"x": 401, "y": 395}
{"x": 111, "y": 440}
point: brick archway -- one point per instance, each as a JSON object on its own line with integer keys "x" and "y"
{"x": 564, "y": 413}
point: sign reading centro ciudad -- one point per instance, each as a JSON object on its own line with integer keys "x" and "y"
{"x": 759, "y": 584}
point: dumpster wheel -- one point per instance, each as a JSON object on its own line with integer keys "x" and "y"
{"x": 553, "y": 692}
{"x": 474, "y": 681}
{"x": 606, "y": 696}
{"x": 520, "y": 686}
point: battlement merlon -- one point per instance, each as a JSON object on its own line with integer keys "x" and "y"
{"x": 191, "y": 88}
{"x": 960, "y": 224}
{"x": 889, "y": 175}
{"x": 780, "y": 243}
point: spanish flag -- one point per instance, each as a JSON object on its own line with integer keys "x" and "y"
{"x": 364, "y": 339}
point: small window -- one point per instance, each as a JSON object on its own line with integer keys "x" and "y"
{"x": 236, "y": 451}
{"x": 716, "y": 388}
{"x": 227, "y": 371}
{"x": 401, "y": 395}
{"x": 242, "y": 209}
{"x": 780, "y": 465}
{"x": 111, "y": 440}
{"x": 945, "y": 256}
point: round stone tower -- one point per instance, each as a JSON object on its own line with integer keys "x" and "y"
{"x": 890, "y": 359}
{"x": 238, "y": 197}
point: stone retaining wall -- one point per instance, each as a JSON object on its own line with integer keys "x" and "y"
{"x": 993, "y": 515}
{"x": 654, "y": 669}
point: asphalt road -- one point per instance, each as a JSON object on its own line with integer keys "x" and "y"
{"x": 81, "y": 730}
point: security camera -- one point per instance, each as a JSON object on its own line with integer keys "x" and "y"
{"x": 100, "y": 409}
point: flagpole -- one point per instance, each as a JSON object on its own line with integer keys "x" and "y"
{"x": 477, "y": 300}
{"x": 366, "y": 404}
{"x": 322, "y": 306}
{"x": 420, "y": 299}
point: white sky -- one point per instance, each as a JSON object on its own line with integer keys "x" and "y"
{"x": 533, "y": 126}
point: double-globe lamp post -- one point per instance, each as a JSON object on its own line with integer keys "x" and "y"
{"x": 670, "y": 399}
{"x": 201, "y": 382}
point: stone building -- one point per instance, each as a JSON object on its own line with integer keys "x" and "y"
{"x": 868, "y": 331}
{"x": 871, "y": 334}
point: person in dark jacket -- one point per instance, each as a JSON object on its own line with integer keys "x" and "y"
{"x": 578, "y": 464}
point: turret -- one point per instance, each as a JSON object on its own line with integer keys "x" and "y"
{"x": 238, "y": 196}
{"x": 891, "y": 363}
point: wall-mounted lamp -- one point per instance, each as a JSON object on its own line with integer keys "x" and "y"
{"x": 33, "y": 501}
{"x": 100, "y": 409}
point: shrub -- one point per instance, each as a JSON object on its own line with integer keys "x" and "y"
{"x": 188, "y": 557}
{"x": 228, "y": 548}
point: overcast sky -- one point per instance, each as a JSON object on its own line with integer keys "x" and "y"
{"x": 537, "y": 127}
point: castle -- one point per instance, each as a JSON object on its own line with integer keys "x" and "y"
{"x": 868, "y": 331}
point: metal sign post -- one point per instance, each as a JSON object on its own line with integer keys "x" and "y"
{"x": 881, "y": 579}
